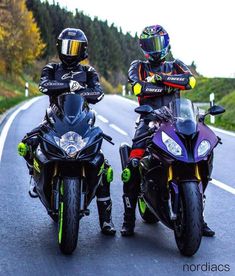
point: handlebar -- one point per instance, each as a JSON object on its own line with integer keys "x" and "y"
{"x": 144, "y": 135}
{"x": 108, "y": 138}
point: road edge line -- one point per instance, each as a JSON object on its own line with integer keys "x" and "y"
{"x": 8, "y": 123}
{"x": 230, "y": 133}
{"x": 223, "y": 186}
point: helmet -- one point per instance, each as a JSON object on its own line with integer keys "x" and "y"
{"x": 155, "y": 43}
{"x": 72, "y": 46}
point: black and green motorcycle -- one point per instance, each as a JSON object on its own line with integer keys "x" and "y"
{"x": 68, "y": 165}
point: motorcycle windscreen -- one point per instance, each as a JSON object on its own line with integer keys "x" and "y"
{"x": 186, "y": 116}
{"x": 73, "y": 106}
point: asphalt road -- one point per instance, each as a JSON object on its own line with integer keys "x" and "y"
{"x": 28, "y": 237}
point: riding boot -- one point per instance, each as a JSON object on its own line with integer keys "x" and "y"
{"x": 129, "y": 215}
{"x": 206, "y": 230}
{"x": 104, "y": 206}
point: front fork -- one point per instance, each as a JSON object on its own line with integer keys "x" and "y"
{"x": 57, "y": 193}
{"x": 173, "y": 200}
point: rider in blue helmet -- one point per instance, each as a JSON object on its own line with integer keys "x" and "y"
{"x": 156, "y": 82}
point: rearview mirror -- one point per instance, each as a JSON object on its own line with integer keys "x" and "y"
{"x": 144, "y": 109}
{"x": 216, "y": 110}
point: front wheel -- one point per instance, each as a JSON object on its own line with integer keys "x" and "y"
{"x": 68, "y": 215}
{"x": 188, "y": 226}
{"x": 145, "y": 213}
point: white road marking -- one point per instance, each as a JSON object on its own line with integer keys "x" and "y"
{"x": 7, "y": 126}
{"x": 223, "y": 131}
{"x": 223, "y": 186}
{"x": 103, "y": 119}
{"x": 126, "y": 99}
{"x": 118, "y": 129}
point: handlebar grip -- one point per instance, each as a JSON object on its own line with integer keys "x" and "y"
{"x": 108, "y": 138}
{"x": 146, "y": 134}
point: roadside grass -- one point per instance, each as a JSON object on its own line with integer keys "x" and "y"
{"x": 12, "y": 91}
{"x": 205, "y": 86}
{"x": 7, "y": 103}
{"x": 226, "y": 120}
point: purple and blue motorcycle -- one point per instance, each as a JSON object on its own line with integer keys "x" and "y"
{"x": 176, "y": 169}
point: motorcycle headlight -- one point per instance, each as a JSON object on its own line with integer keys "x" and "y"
{"x": 71, "y": 142}
{"x": 203, "y": 148}
{"x": 171, "y": 145}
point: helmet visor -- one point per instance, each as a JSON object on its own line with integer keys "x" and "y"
{"x": 70, "y": 47}
{"x": 154, "y": 44}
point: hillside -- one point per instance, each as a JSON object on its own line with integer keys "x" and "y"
{"x": 205, "y": 86}
{"x": 224, "y": 90}
{"x": 13, "y": 92}
{"x": 110, "y": 50}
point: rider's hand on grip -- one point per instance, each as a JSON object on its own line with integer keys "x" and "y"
{"x": 75, "y": 86}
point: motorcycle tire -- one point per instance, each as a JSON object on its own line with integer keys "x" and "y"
{"x": 145, "y": 213}
{"x": 188, "y": 225}
{"x": 68, "y": 225}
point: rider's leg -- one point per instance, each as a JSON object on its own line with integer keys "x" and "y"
{"x": 25, "y": 149}
{"x": 104, "y": 202}
{"x": 131, "y": 182}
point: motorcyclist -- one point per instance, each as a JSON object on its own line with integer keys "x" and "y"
{"x": 71, "y": 76}
{"x": 156, "y": 82}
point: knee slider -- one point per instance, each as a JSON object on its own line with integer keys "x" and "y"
{"x": 132, "y": 167}
{"x": 108, "y": 172}
{"x": 22, "y": 149}
{"x": 126, "y": 175}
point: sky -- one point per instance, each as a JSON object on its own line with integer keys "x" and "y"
{"x": 202, "y": 31}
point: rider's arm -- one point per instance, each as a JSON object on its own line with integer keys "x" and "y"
{"x": 93, "y": 92}
{"x": 48, "y": 85}
{"x": 183, "y": 79}
{"x": 140, "y": 86}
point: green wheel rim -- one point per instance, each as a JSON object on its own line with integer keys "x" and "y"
{"x": 61, "y": 212}
{"x": 142, "y": 205}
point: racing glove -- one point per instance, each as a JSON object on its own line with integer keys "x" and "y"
{"x": 75, "y": 86}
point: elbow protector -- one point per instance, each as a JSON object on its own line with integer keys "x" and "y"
{"x": 181, "y": 82}
{"x": 192, "y": 82}
{"x": 136, "y": 88}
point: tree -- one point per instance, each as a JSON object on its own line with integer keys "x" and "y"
{"x": 20, "y": 37}
{"x": 110, "y": 50}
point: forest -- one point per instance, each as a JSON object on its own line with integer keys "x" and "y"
{"x": 28, "y": 34}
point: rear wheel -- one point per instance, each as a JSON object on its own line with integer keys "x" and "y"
{"x": 145, "y": 213}
{"x": 188, "y": 226}
{"x": 68, "y": 215}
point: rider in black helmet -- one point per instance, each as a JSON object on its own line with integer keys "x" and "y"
{"x": 156, "y": 82}
{"x": 71, "y": 76}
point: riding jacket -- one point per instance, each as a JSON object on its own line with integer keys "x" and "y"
{"x": 174, "y": 76}
{"x": 55, "y": 80}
